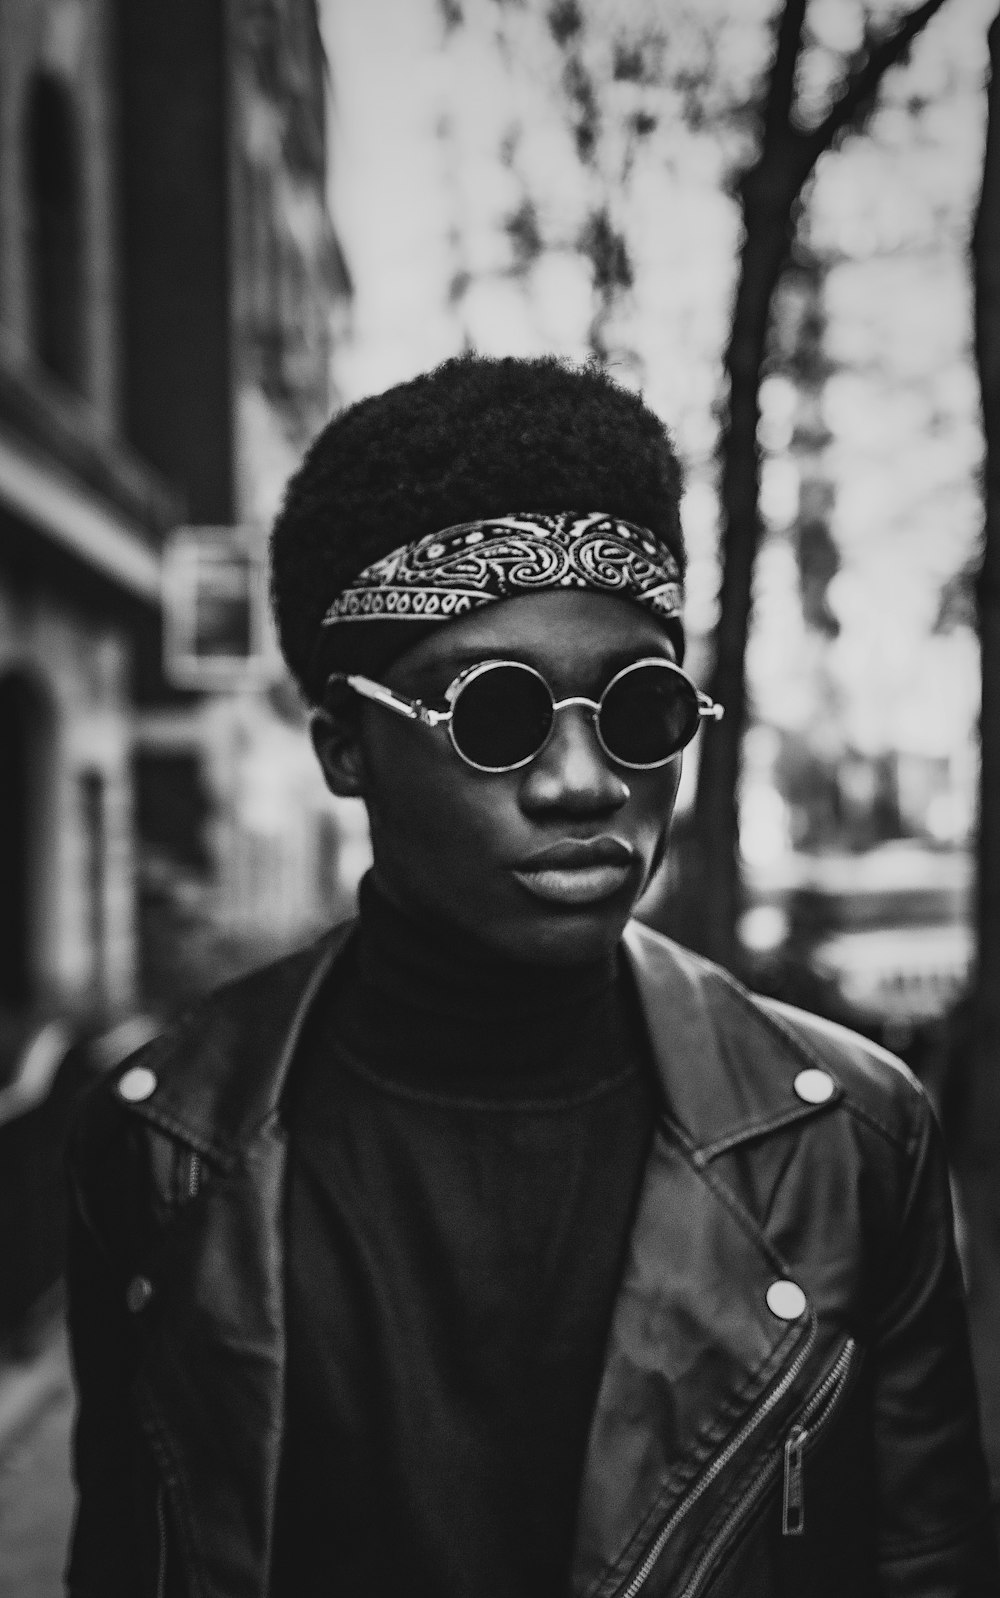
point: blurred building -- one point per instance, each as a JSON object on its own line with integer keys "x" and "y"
{"x": 236, "y": 287}
{"x": 170, "y": 283}
{"x": 81, "y": 517}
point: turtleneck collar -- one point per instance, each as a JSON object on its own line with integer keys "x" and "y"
{"x": 442, "y": 971}
{"x": 430, "y": 1010}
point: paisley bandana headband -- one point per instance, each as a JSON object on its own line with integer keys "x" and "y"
{"x": 450, "y": 573}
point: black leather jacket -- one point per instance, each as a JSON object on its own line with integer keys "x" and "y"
{"x": 813, "y": 1438}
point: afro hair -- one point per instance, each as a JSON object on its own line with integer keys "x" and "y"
{"x": 476, "y": 437}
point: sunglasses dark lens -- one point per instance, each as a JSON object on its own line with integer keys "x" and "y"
{"x": 649, "y": 714}
{"x": 502, "y": 717}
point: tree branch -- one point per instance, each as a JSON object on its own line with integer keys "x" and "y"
{"x": 781, "y": 83}
{"x": 863, "y": 82}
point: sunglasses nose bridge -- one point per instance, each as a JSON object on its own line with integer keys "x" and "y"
{"x": 573, "y": 738}
{"x": 591, "y": 709}
{"x": 593, "y": 705}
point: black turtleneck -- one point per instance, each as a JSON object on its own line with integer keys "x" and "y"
{"x": 467, "y": 1138}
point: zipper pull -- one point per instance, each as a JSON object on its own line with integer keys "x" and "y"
{"x": 793, "y": 1509}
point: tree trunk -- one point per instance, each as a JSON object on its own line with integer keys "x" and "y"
{"x": 767, "y": 215}
{"x": 706, "y": 910}
{"x": 979, "y": 1148}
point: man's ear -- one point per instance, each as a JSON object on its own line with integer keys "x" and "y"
{"x": 336, "y": 737}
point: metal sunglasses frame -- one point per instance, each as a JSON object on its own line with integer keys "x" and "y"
{"x": 416, "y": 710}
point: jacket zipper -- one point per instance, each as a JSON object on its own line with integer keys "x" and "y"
{"x": 718, "y": 1464}
{"x": 810, "y": 1424}
{"x": 194, "y": 1175}
{"x": 825, "y": 1399}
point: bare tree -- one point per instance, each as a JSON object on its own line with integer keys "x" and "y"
{"x": 563, "y": 28}
{"x": 702, "y": 905}
{"x": 770, "y": 192}
{"x": 979, "y": 1145}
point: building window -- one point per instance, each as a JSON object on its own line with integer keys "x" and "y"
{"x": 55, "y": 243}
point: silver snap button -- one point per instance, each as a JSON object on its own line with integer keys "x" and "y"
{"x": 138, "y": 1293}
{"x": 814, "y": 1086}
{"x": 786, "y": 1300}
{"x": 137, "y": 1084}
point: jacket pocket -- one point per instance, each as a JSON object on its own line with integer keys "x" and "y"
{"x": 806, "y": 1432}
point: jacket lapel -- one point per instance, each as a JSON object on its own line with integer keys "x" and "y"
{"x": 726, "y": 1066}
{"x": 694, "y": 1352}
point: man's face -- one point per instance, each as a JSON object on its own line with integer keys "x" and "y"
{"x": 491, "y": 855}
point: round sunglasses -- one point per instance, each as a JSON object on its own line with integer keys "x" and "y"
{"x": 501, "y": 713}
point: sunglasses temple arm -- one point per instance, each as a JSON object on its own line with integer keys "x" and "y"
{"x": 412, "y": 709}
{"x": 709, "y": 707}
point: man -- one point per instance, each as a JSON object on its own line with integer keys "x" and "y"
{"x": 497, "y": 1248}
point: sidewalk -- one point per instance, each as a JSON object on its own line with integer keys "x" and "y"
{"x": 36, "y": 1406}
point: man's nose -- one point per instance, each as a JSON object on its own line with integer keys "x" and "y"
{"x": 572, "y": 773}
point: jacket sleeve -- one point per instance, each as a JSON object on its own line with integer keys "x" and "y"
{"x": 935, "y": 1534}
{"x": 111, "y": 1554}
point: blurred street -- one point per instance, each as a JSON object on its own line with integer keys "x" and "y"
{"x": 35, "y": 1486}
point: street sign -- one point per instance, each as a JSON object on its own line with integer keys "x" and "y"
{"x": 215, "y": 632}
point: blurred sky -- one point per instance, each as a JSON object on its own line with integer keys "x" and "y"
{"x": 420, "y": 194}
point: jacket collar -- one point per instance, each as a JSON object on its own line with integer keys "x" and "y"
{"x": 726, "y": 1066}
{"x": 220, "y": 1071}
{"x": 726, "y": 1063}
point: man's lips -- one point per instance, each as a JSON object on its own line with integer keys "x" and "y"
{"x": 568, "y": 853}
{"x": 578, "y": 871}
